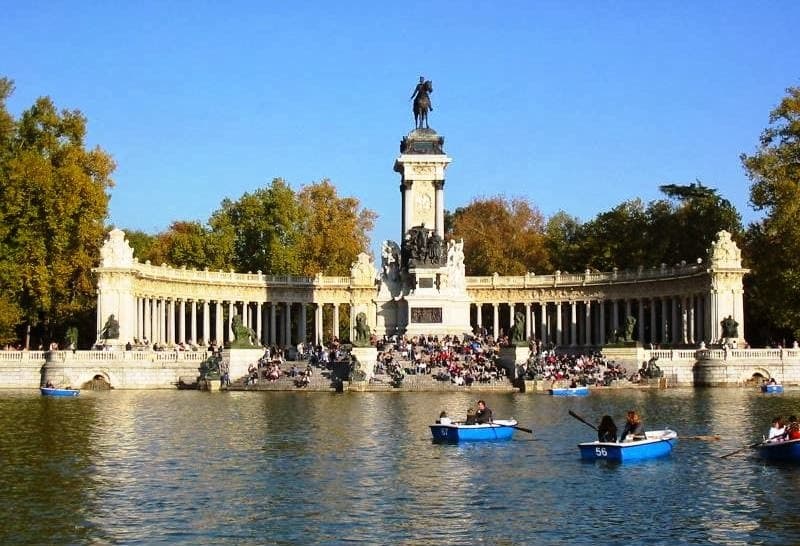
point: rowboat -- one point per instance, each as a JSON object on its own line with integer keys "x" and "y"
{"x": 772, "y": 388}
{"x": 52, "y": 391}
{"x": 452, "y": 433}
{"x": 788, "y": 451}
{"x": 570, "y": 391}
{"x": 659, "y": 443}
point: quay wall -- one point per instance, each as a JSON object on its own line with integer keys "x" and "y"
{"x": 163, "y": 369}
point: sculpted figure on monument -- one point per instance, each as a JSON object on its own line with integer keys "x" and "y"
{"x": 242, "y": 335}
{"x": 730, "y": 328}
{"x": 422, "y": 103}
{"x": 390, "y": 261}
{"x": 111, "y": 329}
{"x": 362, "y": 331}
{"x": 630, "y": 324}
{"x": 517, "y": 333}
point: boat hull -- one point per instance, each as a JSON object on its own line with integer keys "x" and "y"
{"x": 49, "y": 391}
{"x": 659, "y": 443}
{"x": 574, "y": 391}
{"x": 772, "y": 389}
{"x": 459, "y": 432}
{"x": 788, "y": 451}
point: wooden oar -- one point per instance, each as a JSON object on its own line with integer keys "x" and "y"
{"x": 523, "y": 429}
{"x": 705, "y": 438}
{"x": 751, "y": 446}
{"x": 581, "y": 419}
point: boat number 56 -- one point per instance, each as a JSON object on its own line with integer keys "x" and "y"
{"x": 601, "y": 451}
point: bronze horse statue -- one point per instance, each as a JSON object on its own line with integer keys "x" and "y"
{"x": 422, "y": 102}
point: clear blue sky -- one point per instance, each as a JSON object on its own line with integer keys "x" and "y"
{"x": 577, "y": 106}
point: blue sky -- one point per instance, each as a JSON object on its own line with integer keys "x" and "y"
{"x": 577, "y": 106}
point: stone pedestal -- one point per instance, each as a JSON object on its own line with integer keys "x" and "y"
{"x": 238, "y": 360}
{"x": 631, "y": 356}
{"x": 366, "y": 358}
{"x": 512, "y": 355}
{"x": 211, "y": 385}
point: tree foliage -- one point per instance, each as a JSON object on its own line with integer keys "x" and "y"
{"x": 274, "y": 230}
{"x": 502, "y": 235}
{"x": 773, "y": 244}
{"x": 53, "y": 204}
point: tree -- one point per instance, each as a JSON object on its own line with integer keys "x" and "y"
{"x": 334, "y": 230}
{"x": 184, "y": 243}
{"x": 260, "y": 231}
{"x": 773, "y": 244}
{"x": 53, "y": 204}
{"x": 562, "y": 239}
{"x": 502, "y": 235}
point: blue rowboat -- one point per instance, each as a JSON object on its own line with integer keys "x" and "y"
{"x": 51, "y": 391}
{"x": 570, "y": 391}
{"x": 659, "y": 443}
{"x": 452, "y": 433}
{"x": 788, "y": 451}
{"x": 772, "y": 388}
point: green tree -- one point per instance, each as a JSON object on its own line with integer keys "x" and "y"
{"x": 773, "y": 244}
{"x": 183, "y": 244}
{"x": 53, "y": 204}
{"x": 502, "y": 235}
{"x": 562, "y": 239}
{"x": 335, "y": 230}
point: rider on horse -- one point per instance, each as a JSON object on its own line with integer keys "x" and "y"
{"x": 422, "y": 102}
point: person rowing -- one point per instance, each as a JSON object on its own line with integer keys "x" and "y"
{"x": 484, "y": 414}
{"x": 634, "y": 428}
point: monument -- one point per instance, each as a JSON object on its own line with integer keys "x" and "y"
{"x": 422, "y": 281}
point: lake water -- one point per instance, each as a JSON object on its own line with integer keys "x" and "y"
{"x": 188, "y": 467}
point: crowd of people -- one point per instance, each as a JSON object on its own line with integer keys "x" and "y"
{"x": 583, "y": 369}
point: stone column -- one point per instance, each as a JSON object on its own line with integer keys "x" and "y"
{"x": 685, "y": 319}
{"x": 182, "y": 322}
{"x": 288, "y": 338}
{"x": 162, "y": 322}
{"x": 479, "y": 316}
{"x": 259, "y": 325}
{"x": 272, "y": 329}
{"x": 148, "y": 330}
{"x": 171, "y": 321}
{"x": 510, "y": 316}
{"x": 559, "y": 324}
{"x": 588, "y": 322}
{"x": 573, "y": 326}
{"x": 439, "y": 198}
{"x": 528, "y": 320}
{"x": 194, "y": 321}
{"x": 335, "y": 327}
{"x": 231, "y": 314}
{"x": 543, "y": 324}
{"x": 496, "y": 322}
{"x": 601, "y": 338}
{"x": 628, "y": 308}
{"x": 219, "y": 323}
{"x": 690, "y": 321}
{"x": 319, "y": 331}
{"x": 206, "y": 323}
{"x": 664, "y": 320}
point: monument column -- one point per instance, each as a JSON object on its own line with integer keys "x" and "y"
{"x": 148, "y": 324}
{"x": 653, "y": 327}
{"x": 206, "y": 324}
{"x": 543, "y": 324}
{"x": 528, "y": 319}
{"x": 335, "y": 326}
{"x": 588, "y": 322}
{"x": 231, "y": 313}
{"x": 559, "y": 328}
{"x": 641, "y": 321}
{"x": 288, "y": 338}
{"x": 573, "y": 326}
{"x": 479, "y": 316}
{"x": 601, "y": 338}
{"x": 302, "y": 325}
{"x": 182, "y": 321}
{"x": 259, "y": 325}
{"x": 496, "y": 321}
{"x": 272, "y": 329}
{"x": 194, "y": 321}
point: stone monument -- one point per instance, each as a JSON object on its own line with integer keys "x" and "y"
{"x": 422, "y": 286}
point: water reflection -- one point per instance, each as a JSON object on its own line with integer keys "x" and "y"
{"x": 287, "y": 468}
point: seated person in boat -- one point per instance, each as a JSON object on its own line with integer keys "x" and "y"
{"x": 607, "y": 431}
{"x": 50, "y": 385}
{"x": 792, "y": 429}
{"x": 484, "y": 414}
{"x": 634, "y": 428}
{"x": 470, "y": 417}
{"x": 777, "y": 431}
{"x": 444, "y": 419}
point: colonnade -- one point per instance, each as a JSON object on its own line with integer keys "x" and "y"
{"x": 669, "y": 320}
{"x": 177, "y": 320}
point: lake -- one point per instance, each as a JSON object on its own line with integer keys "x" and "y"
{"x": 189, "y": 467}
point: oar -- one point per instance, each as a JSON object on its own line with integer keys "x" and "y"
{"x": 581, "y": 419}
{"x": 705, "y": 438}
{"x": 751, "y": 446}
{"x": 523, "y": 429}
